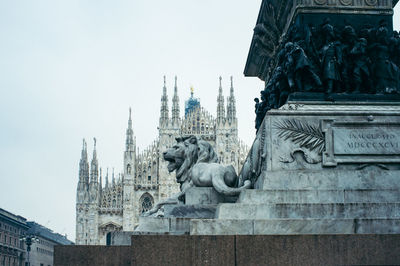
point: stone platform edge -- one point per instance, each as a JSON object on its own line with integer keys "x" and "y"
{"x": 238, "y": 250}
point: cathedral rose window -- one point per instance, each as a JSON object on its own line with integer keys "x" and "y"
{"x": 146, "y": 202}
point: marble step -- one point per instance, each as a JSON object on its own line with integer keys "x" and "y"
{"x": 319, "y": 196}
{"x": 308, "y": 210}
{"x": 329, "y": 179}
{"x": 294, "y": 226}
{"x": 162, "y": 225}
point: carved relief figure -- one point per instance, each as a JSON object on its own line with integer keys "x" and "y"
{"x": 385, "y": 72}
{"x": 331, "y": 59}
{"x": 360, "y": 67}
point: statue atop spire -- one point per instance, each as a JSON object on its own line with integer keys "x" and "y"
{"x": 129, "y": 143}
{"x": 192, "y": 103}
{"x": 94, "y": 167}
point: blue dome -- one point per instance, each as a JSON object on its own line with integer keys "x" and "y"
{"x": 192, "y": 103}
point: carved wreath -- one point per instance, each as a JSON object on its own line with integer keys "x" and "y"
{"x": 309, "y": 136}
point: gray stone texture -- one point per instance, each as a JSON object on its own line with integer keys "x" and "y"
{"x": 329, "y": 179}
{"x": 294, "y": 226}
{"x": 203, "y": 195}
{"x": 162, "y": 225}
{"x": 190, "y": 211}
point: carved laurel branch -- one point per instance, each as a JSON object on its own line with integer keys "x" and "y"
{"x": 307, "y": 135}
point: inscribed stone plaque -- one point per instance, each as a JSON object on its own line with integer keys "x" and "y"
{"x": 361, "y": 142}
{"x": 366, "y": 140}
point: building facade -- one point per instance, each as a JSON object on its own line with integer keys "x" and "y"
{"x": 25, "y": 243}
{"x": 116, "y": 205}
{"x": 12, "y": 229}
{"x": 44, "y": 240}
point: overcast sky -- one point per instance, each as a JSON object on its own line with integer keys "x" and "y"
{"x": 71, "y": 70}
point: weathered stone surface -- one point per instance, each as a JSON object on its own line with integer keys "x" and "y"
{"x": 294, "y": 226}
{"x": 153, "y": 224}
{"x": 255, "y": 196}
{"x": 121, "y": 238}
{"x": 190, "y": 211}
{"x": 308, "y": 210}
{"x": 313, "y": 136}
{"x": 221, "y": 227}
{"x": 330, "y": 179}
{"x": 303, "y": 226}
{"x": 162, "y": 225}
{"x": 202, "y": 195}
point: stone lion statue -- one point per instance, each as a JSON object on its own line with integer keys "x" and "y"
{"x": 196, "y": 165}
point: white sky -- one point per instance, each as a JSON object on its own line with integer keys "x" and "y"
{"x": 71, "y": 69}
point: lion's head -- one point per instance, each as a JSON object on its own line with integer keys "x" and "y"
{"x": 187, "y": 152}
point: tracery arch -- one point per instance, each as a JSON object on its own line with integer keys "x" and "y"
{"x": 146, "y": 202}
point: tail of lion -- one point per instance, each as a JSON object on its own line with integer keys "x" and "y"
{"x": 219, "y": 185}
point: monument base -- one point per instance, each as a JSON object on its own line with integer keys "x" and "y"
{"x": 318, "y": 168}
{"x": 238, "y": 250}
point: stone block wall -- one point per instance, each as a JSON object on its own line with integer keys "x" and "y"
{"x": 92, "y": 255}
{"x": 238, "y": 250}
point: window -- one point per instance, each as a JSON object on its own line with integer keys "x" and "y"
{"x": 145, "y": 202}
{"x": 149, "y": 178}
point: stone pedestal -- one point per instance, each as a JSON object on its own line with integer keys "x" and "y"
{"x": 319, "y": 168}
{"x": 201, "y": 203}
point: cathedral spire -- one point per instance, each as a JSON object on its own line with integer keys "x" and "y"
{"x": 100, "y": 180}
{"x": 129, "y": 134}
{"x": 94, "y": 167}
{"x": 231, "y": 115}
{"x": 107, "y": 178}
{"x": 113, "y": 178}
{"x": 84, "y": 166}
{"x": 175, "y": 104}
{"x": 164, "y": 105}
{"x": 220, "y": 101}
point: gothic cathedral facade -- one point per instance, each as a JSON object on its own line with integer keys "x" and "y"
{"x": 117, "y": 205}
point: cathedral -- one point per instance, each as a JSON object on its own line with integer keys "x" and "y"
{"x": 117, "y": 204}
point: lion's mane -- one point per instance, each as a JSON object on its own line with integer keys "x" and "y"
{"x": 195, "y": 151}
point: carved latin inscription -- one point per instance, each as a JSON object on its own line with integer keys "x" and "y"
{"x": 366, "y": 140}
{"x": 360, "y": 142}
